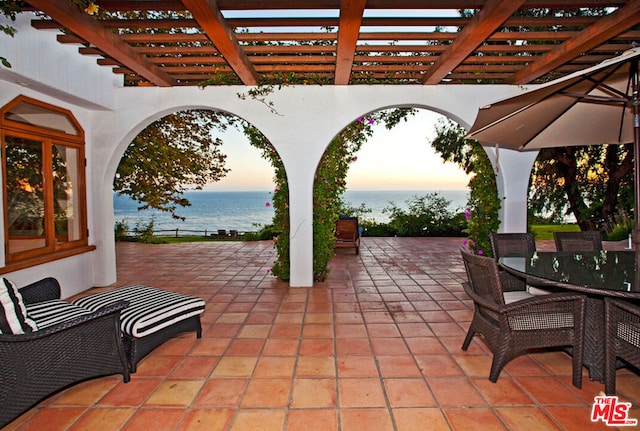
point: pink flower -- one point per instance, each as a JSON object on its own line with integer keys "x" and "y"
{"x": 267, "y": 204}
{"x": 354, "y": 158}
{"x": 326, "y": 181}
{"x": 480, "y": 252}
{"x": 361, "y": 119}
{"x": 465, "y": 242}
{"x": 371, "y": 120}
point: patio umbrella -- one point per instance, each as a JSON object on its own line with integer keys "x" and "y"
{"x": 594, "y": 106}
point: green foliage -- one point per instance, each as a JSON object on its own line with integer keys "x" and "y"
{"x": 619, "y": 227}
{"x": 170, "y": 156}
{"x": 143, "y": 232}
{"x": 121, "y": 230}
{"x": 329, "y": 185}
{"x": 592, "y": 183}
{"x": 280, "y": 201}
{"x": 330, "y": 181}
{"x": 428, "y": 215}
{"x": 484, "y": 204}
{"x": 545, "y": 231}
{"x": 265, "y": 233}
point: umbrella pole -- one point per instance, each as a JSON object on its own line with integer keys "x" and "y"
{"x": 635, "y": 105}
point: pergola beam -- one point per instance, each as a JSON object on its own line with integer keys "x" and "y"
{"x": 597, "y": 33}
{"x": 209, "y": 17}
{"x": 71, "y": 17}
{"x": 349, "y": 28}
{"x": 491, "y": 17}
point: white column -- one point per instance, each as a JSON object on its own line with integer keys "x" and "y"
{"x": 513, "y": 170}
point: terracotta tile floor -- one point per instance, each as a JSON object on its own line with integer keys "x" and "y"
{"x": 375, "y": 347}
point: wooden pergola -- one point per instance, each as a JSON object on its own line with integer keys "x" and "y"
{"x": 332, "y": 42}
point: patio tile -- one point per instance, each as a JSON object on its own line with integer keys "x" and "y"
{"x": 357, "y": 366}
{"x": 449, "y": 391}
{"x": 156, "y": 419}
{"x": 221, "y": 393}
{"x": 420, "y": 418}
{"x": 366, "y": 419}
{"x": 175, "y": 393}
{"x": 335, "y": 356}
{"x": 408, "y": 393}
{"x": 131, "y": 394}
{"x": 316, "y": 366}
{"x": 523, "y": 418}
{"x": 206, "y": 420}
{"x": 265, "y": 420}
{"x": 104, "y": 419}
{"x": 313, "y": 393}
{"x": 360, "y": 393}
{"x": 60, "y": 418}
{"x": 267, "y": 393}
{"x": 312, "y": 420}
{"x": 469, "y": 419}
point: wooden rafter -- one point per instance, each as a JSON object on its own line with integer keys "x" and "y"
{"x": 592, "y": 36}
{"x": 207, "y": 14}
{"x": 492, "y": 15}
{"x": 350, "y": 20}
{"x": 71, "y": 17}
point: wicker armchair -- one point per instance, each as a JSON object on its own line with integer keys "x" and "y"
{"x": 37, "y": 364}
{"x": 512, "y": 244}
{"x": 510, "y": 330}
{"x": 622, "y": 339}
{"x": 578, "y": 241}
{"x": 516, "y": 244}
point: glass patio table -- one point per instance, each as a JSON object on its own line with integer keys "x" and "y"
{"x": 596, "y": 274}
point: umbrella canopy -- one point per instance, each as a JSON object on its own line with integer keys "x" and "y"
{"x": 594, "y": 106}
{"x": 590, "y": 107}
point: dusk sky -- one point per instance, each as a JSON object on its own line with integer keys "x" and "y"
{"x": 397, "y": 159}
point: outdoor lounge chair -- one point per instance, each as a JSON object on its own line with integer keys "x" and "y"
{"x": 347, "y": 233}
{"x": 513, "y": 329}
{"x": 70, "y": 345}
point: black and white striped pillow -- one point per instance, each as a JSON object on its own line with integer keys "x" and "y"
{"x": 13, "y": 314}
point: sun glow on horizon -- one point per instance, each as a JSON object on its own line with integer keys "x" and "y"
{"x": 396, "y": 159}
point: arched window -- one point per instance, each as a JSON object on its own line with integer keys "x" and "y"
{"x": 43, "y": 166}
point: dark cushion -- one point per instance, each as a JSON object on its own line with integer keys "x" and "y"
{"x": 150, "y": 309}
{"x": 13, "y": 313}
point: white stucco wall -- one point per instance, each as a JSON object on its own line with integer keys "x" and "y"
{"x": 307, "y": 118}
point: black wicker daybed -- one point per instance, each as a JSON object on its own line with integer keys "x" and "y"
{"x": 69, "y": 344}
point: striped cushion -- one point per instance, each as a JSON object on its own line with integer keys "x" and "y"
{"x": 13, "y": 314}
{"x": 149, "y": 309}
{"x": 49, "y": 313}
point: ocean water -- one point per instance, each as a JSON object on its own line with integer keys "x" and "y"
{"x": 249, "y": 210}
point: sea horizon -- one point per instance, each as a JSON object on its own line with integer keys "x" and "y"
{"x": 250, "y": 210}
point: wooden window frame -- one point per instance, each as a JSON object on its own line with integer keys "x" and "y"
{"x": 48, "y": 137}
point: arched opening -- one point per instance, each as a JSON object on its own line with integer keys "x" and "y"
{"x": 215, "y": 183}
{"x": 345, "y": 151}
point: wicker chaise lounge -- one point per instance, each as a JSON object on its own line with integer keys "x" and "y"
{"x": 70, "y": 345}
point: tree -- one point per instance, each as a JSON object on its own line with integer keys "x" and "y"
{"x": 482, "y": 212}
{"x": 592, "y": 183}
{"x": 170, "y": 156}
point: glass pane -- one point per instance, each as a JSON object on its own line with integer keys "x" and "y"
{"x": 25, "y": 195}
{"x": 38, "y": 116}
{"x": 66, "y": 205}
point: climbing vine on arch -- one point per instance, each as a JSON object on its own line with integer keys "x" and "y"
{"x": 329, "y": 185}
